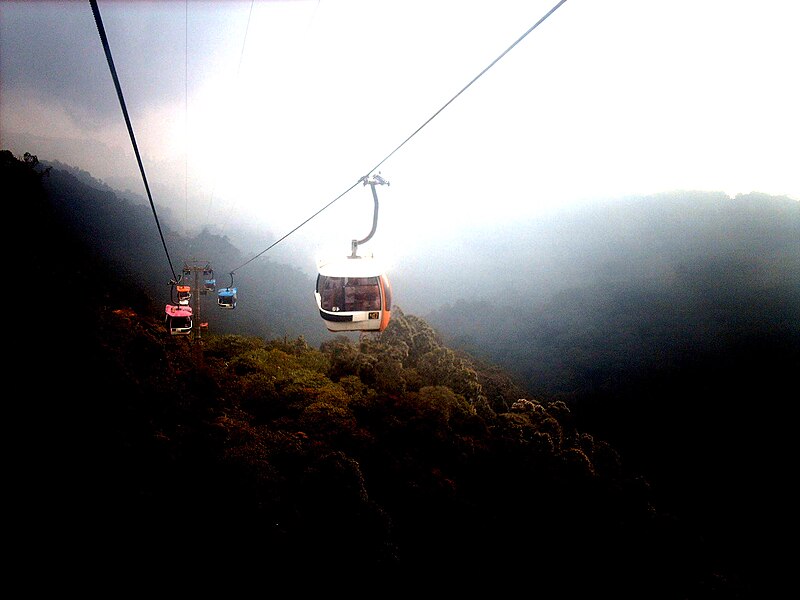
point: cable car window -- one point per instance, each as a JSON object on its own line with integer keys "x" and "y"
{"x": 181, "y": 322}
{"x": 331, "y": 289}
{"x": 362, "y": 294}
{"x": 349, "y": 294}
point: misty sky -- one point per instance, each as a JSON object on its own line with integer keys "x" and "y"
{"x": 261, "y": 113}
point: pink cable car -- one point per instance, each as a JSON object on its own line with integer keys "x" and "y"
{"x": 178, "y": 319}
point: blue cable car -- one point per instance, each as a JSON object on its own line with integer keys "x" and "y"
{"x": 209, "y": 281}
{"x": 226, "y": 297}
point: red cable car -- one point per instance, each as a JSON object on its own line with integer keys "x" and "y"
{"x": 184, "y": 294}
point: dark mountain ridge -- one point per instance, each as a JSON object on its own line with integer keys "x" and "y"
{"x": 650, "y": 271}
{"x": 395, "y": 454}
{"x": 665, "y": 303}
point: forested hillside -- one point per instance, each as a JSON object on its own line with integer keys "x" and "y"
{"x": 592, "y": 293}
{"x": 395, "y": 457}
{"x": 670, "y": 326}
{"x": 277, "y": 299}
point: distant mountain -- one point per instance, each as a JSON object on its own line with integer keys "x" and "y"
{"x": 276, "y": 299}
{"x": 643, "y": 354}
{"x": 642, "y": 281}
{"x": 671, "y": 326}
{"x": 391, "y": 462}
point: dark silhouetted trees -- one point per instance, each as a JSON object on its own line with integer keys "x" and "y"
{"x": 392, "y": 459}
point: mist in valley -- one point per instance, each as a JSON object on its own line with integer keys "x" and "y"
{"x": 669, "y": 324}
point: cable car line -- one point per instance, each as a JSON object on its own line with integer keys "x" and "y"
{"x": 276, "y": 242}
{"x": 354, "y": 295}
{"x": 404, "y": 142}
{"x": 179, "y": 315}
{"x": 101, "y": 30}
{"x": 506, "y": 51}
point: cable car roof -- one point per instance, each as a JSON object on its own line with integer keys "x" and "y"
{"x": 178, "y": 311}
{"x": 351, "y": 267}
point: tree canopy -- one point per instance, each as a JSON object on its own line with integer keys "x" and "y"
{"x": 391, "y": 457}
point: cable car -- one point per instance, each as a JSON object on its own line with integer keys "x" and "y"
{"x": 226, "y": 297}
{"x": 208, "y": 280}
{"x": 184, "y": 294}
{"x": 178, "y": 319}
{"x": 353, "y": 294}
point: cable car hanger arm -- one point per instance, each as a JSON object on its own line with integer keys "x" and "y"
{"x": 372, "y": 182}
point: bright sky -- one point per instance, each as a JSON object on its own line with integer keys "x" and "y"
{"x": 264, "y": 112}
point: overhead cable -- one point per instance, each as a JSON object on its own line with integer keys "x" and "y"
{"x": 101, "y": 30}
{"x": 404, "y": 142}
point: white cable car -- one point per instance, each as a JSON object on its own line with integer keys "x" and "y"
{"x": 353, "y": 294}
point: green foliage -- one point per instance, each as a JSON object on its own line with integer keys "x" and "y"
{"x": 440, "y": 404}
{"x": 517, "y": 429}
{"x": 344, "y": 359}
{"x": 411, "y": 336}
{"x": 306, "y": 356}
{"x": 353, "y": 386}
{"x": 434, "y": 417}
{"x": 327, "y": 417}
{"x": 396, "y": 456}
{"x": 226, "y": 347}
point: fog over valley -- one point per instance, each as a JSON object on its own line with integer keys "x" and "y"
{"x": 576, "y": 365}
